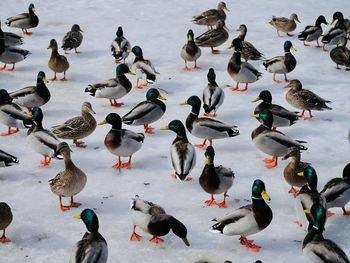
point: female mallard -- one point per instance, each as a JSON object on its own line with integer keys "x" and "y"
{"x": 213, "y": 37}
{"x": 152, "y": 219}
{"x": 190, "y": 51}
{"x": 304, "y": 99}
{"x": 337, "y": 32}
{"x": 78, "y": 127}
{"x": 285, "y": 24}
{"x": 92, "y": 247}
{"x": 294, "y": 167}
{"x": 57, "y": 63}
{"x": 146, "y": 112}
{"x": 241, "y": 71}
{"x": 11, "y": 114}
{"x": 182, "y": 153}
{"x": 337, "y": 191}
{"x": 206, "y": 128}
{"x": 272, "y": 142}
{"x": 24, "y": 21}
{"x": 41, "y": 140}
{"x": 341, "y": 54}
{"x": 281, "y": 116}
{"x": 312, "y": 33}
{"x": 121, "y": 142}
{"x": 213, "y": 95}
{"x": 113, "y": 89}
{"x": 247, "y": 220}
{"x": 210, "y": 17}
{"x": 120, "y": 46}
{"x": 143, "y": 68}
{"x": 317, "y": 249}
{"x": 281, "y": 64}
{"x": 215, "y": 180}
{"x": 69, "y": 182}
{"x": 5, "y": 220}
{"x": 33, "y": 96}
{"x": 249, "y": 52}
{"x": 72, "y": 39}
{"x": 7, "y": 159}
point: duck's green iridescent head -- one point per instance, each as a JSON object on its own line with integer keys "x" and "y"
{"x": 259, "y": 190}
{"x": 288, "y": 46}
{"x": 153, "y": 94}
{"x": 195, "y": 102}
{"x": 177, "y": 127}
{"x": 321, "y": 20}
{"x": 236, "y": 44}
{"x": 123, "y": 69}
{"x": 90, "y": 220}
{"x": 319, "y": 213}
{"x": 265, "y": 96}
{"x": 31, "y": 8}
{"x": 311, "y": 177}
{"x": 137, "y": 51}
{"x": 179, "y": 229}
{"x": 266, "y": 116}
{"x": 37, "y": 115}
{"x": 190, "y": 36}
{"x": 337, "y": 16}
{"x": 41, "y": 78}
{"x": 209, "y": 155}
{"x": 114, "y": 120}
{"x": 119, "y": 32}
{"x": 211, "y": 76}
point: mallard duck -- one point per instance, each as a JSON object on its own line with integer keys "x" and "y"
{"x": 7, "y": 159}
{"x": 210, "y": 17}
{"x": 57, "y": 63}
{"x": 12, "y": 39}
{"x": 337, "y": 190}
{"x": 213, "y": 95}
{"x": 335, "y": 33}
{"x": 206, "y": 128}
{"x": 72, "y": 39}
{"x": 153, "y": 219}
{"x": 272, "y": 142}
{"x": 5, "y": 220}
{"x": 41, "y": 140}
{"x": 304, "y": 99}
{"x": 33, "y": 96}
{"x": 92, "y": 247}
{"x": 11, "y": 114}
{"x": 78, "y": 127}
{"x": 247, "y": 220}
{"x": 120, "y": 46}
{"x": 281, "y": 64}
{"x": 312, "y": 33}
{"x": 146, "y": 112}
{"x": 249, "y": 52}
{"x": 294, "y": 167}
{"x": 190, "y": 51}
{"x": 281, "y": 116}
{"x": 341, "y": 54}
{"x": 24, "y": 21}
{"x": 241, "y": 71}
{"x": 121, "y": 142}
{"x": 143, "y": 68}
{"x": 284, "y": 24}
{"x": 69, "y": 182}
{"x": 213, "y": 37}
{"x": 315, "y": 247}
{"x": 113, "y": 89}
{"x": 215, "y": 180}
{"x": 182, "y": 153}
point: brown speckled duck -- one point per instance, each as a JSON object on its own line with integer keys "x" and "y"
{"x": 210, "y": 17}
{"x": 341, "y": 54}
{"x": 249, "y": 52}
{"x": 284, "y": 24}
{"x": 213, "y": 37}
{"x": 57, "y": 63}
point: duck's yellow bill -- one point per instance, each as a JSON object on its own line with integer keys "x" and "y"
{"x": 33, "y": 9}
{"x": 256, "y": 99}
{"x": 207, "y": 160}
{"x": 131, "y": 73}
{"x": 307, "y": 211}
{"x": 255, "y": 115}
{"x": 300, "y": 174}
{"x": 186, "y": 241}
{"x": 161, "y": 97}
{"x": 189, "y": 38}
{"x": 128, "y": 50}
{"x": 293, "y": 48}
{"x": 77, "y": 216}
{"x": 103, "y": 122}
{"x": 348, "y": 30}
{"x": 265, "y": 196}
{"x": 45, "y": 80}
{"x": 164, "y": 128}
{"x": 231, "y": 46}
{"x": 184, "y": 103}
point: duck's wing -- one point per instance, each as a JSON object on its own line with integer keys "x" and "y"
{"x": 270, "y": 62}
{"x": 207, "y": 15}
{"x": 139, "y": 137}
{"x": 54, "y": 181}
{"x": 22, "y": 92}
{"x": 69, "y": 125}
{"x": 282, "y": 112}
{"x": 146, "y": 207}
{"x": 227, "y": 172}
{"x": 213, "y": 36}
{"x": 14, "y": 111}
{"x": 311, "y": 97}
{"x": 17, "y": 17}
{"x": 329, "y": 252}
{"x": 214, "y": 124}
{"x": 284, "y": 140}
{"x": 334, "y": 189}
{"x": 90, "y": 251}
{"x": 47, "y": 138}
{"x": 71, "y": 40}
{"x": 139, "y": 111}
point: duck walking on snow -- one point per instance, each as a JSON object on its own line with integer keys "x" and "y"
{"x": 190, "y": 51}
{"x": 72, "y": 39}
{"x": 213, "y": 95}
{"x": 120, "y": 46}
{"x": 284, "y": 24}
{"x": 57, "y": 63}
{"x": 312, "y": 33}
{"x": 24, "y": 21}
{"x": 213, "y": 37}
{"x": 210, "y": 17}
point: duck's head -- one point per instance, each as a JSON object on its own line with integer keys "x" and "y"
{"x": 86, "y": 107}
{"x": 259, "y": 190}
{"x": 209, "y": 155}
{"x": 265, "y": 96}
{"x": 153, "y": 94}
{"x": 294, "y": 17}
{"x": 222, "y": 6}
{"x": 37, "y": 115}
{"x": 179, "y": 229}
{"x": 90, "y": 220}
{"x": 177, "y": 127}
{"x": 31, "y": 8}
{"x": 41, "y": 78}
{"x": 292, "y": 152}
{"x": 311, "y": 177}
{"x": 242, "y": 28}
{"x": 236, "y": 44}
{"x": 319, "y": 214}
{"x": 294, "y": 85}
{"x": 123, "y": 69}
{"x": 195, "y": 102}
{"x": 288, "y": 46}
{"x": 4, "y": 97}
{"x": 337, "y": 16}
{"x": 120, "y": 32}
{"x": 346, "y": 171}
{"x": 62, "y": 151}
{"x": 266, "y": 116}
{"x": 76, "y": 28}
{"x": 53, "y": 44}
{"x": 190, "y": 36}
{"x": 137, "y": 51}
{"x": 321, "y": 20}
{"x": 211, "y": 76}
{"x": 112, "y": 119}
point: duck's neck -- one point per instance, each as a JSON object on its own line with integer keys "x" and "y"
{"x": 236, "y": 60}
{"x": 54, "y": 52}
{"x": 242, "y": 35}
{"x": 68, "y": 162}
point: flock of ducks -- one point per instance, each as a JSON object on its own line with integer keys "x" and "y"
{"x": 311, "y": 205}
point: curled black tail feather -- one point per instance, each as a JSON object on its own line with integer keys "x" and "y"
{"x": 91, "y": 90}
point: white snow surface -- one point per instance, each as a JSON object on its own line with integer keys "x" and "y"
{"x": 40, "y": 232}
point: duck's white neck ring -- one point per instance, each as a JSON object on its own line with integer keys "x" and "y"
{"x": 238, "y": 52}
{"x": 315, "y": 227}
{"x": 114, "y": 129}
{"x": 287, "y": 52}
{"x": 194, "y": 113}
{"x": 257, "y": 198}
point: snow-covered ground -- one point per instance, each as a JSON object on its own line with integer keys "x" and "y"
{"x": 40, "y": 232}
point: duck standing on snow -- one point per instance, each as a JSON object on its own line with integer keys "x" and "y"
{"x": 341, "y": 54}
{"x": 120, "y": 46}
{"x": 92, "y": 247}
{"x": 312, "y": 33}
{"x": 190, "y": 51}
{"x": 182, "y": 153}
{"x": 213, "y": 37}
{"x": 113, "y": 89}
{"x": 7, "y": 159}
{"x": 213, "y": 95}
{"x": 249, "y": 52}
{"x": 72, "y": 39}
{"x": 146, "y": 112}
{"x": 215, "y": 179}
{"x": 337, "y": 32}
{"x": 206, "y": 128}
{"x": 121, "y": 142}
{"x": 315, "y": 247}
{"x": 152, "y": 219}
{"x": 57, "y": 63}
{"x": 241, "y": 71}
{"x": 33, "y": 96}
{"x": 24, "y": 21}
{"x": 304, "y": 99}
{"x": 78, "y": 127}
{"x": 281, "y": 64}
{"x": 247, "y": 220}
{"x": 5, "y": 220}
{"x": 284, "y": 24}
{"x": 210, "y": 17}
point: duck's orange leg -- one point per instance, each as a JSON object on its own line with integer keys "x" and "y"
{"x": 63, "y": 207}
{"x": 223, "y": 203}
{"x": 211, "y": 201}
{"x": 156, "y": 240}
{"x": 4, "y": 239}
{"x": 134, "y": 236}
{"x": 249, "y": 244}
{"x": 74, "y": 204}
{"x": 9, "y": 132}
